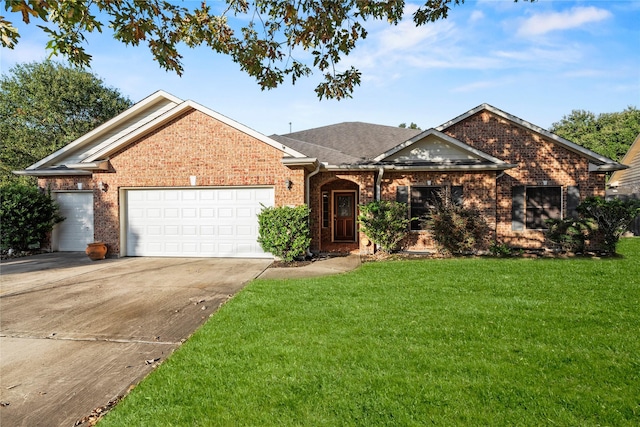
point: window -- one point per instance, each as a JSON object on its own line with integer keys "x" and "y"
{"x": 533, "y": 205}
{"x": 422, "y": 200}
{"x": 325, "y": 209}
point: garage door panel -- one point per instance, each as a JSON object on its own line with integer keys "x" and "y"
{"x": 202, "y": 222}
{"x": 76, "y": 231}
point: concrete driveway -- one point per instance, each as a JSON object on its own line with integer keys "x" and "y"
{"x": 75, "y": 334}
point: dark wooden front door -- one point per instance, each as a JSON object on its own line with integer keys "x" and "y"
{"x": 344, "y": 217}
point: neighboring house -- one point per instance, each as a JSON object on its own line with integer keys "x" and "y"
{"x": 625, "y": 184}
{"x": 172, "y": 178}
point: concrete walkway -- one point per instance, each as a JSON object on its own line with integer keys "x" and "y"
{"x": 321, "y": 267}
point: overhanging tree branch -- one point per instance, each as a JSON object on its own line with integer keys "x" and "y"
{"x": 328, "y": 29}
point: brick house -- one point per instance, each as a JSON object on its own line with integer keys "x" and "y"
{"x": 173, "y": 178}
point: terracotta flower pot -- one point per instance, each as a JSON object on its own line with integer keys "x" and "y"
{"x": 96, "y": 250}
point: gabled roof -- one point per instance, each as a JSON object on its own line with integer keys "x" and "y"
{"x": 602, "y": 164}
{"x": 92, "y": 150}
{"x": 349, "y": 141}
{"x": 358, "y": 145}
{"x": 467, "y": 155}
{"x": 629, "y": 177}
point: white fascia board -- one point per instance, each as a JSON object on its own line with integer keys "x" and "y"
{"x": 453, "y": 168}
{"x": 90, "y": 166}
{"x": 309, "y": 163}
{"x": 458, "y": 168}
{"x": 591, "y": 155}
{"x": 51, "y": 172}
{"x": 607, "y": 167}
{"x": 89, "y": 136}
{"x": 443, "y": 137}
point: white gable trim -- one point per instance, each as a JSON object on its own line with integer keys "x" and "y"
{"x": 172, "y": 114}
{"x": 591, "y": 155}
{"x": 445, "y": 138}
{"x": 89, "y": 139}
{"x": 103, "y": 128}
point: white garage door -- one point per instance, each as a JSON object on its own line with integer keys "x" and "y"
{"x": 76, "y": 230}
{"x": 196, "y": 222}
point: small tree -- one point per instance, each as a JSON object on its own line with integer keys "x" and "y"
{"x": 284, "y": 231}
{"x": 27, "y": 214}
{"x": 385, "y": 223}
{"x": 456, "y": 229}
{"x": 612, "y": 218}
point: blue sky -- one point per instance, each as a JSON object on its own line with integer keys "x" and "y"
{"x": 538, "y": 61}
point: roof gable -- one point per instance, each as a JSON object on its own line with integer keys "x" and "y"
{"x": 591, "y": 155}
{"x": 432, "y": 146}
{"x": 112, "y": 130}
{"x": 91, "y": 150}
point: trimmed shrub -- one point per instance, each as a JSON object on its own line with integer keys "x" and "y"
{"x": 568, "y": 234}
{"x": 612, "y": 218}
{"x": 284, "y": 231}
{"x": 385, "y": 223}
{"x": 27, "y": 214}
{"x": 456, "y": 229}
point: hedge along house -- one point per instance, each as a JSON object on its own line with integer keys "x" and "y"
{"x": 172, "y": 178}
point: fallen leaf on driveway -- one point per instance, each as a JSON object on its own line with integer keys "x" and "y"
{"x": 151, "y": 361}
{"x": 98, "y": 413}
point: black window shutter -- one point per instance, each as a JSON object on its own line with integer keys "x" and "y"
{"x": 456, "y": 195}
{"x": 517, "y": 208}
{"x": 573, "y": 200}
{"x": 402, "y": 194}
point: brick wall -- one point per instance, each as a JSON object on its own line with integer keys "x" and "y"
{"x": 193, "y": 144}
{"x": 478, "y": 192}
{"x": 538, "y": 158}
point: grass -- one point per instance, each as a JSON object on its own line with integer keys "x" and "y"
{"x": 444, "y": 342}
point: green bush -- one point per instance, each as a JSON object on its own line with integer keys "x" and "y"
{"x": 456, "y": 229}
{"x": 385, "y": 223}
{"x": 568, "y": 234}
{"x": 612, "y": 218}
{"x": 27, "y": 214}
{"x": 500, "y": 249}
{"x": 284, "y": 231}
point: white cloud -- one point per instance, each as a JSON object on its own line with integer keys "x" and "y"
{"x": 476, "y": 16}
{"x": 551, "y": 55}
{"x": 574, "y": 18}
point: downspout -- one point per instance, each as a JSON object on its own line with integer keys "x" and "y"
{"x": 495, "y": 231}
{"x": 307, "y": 199}
{"x": 378, "y": 194}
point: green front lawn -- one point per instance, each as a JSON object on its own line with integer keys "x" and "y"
{"x": 468, "y": 341}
